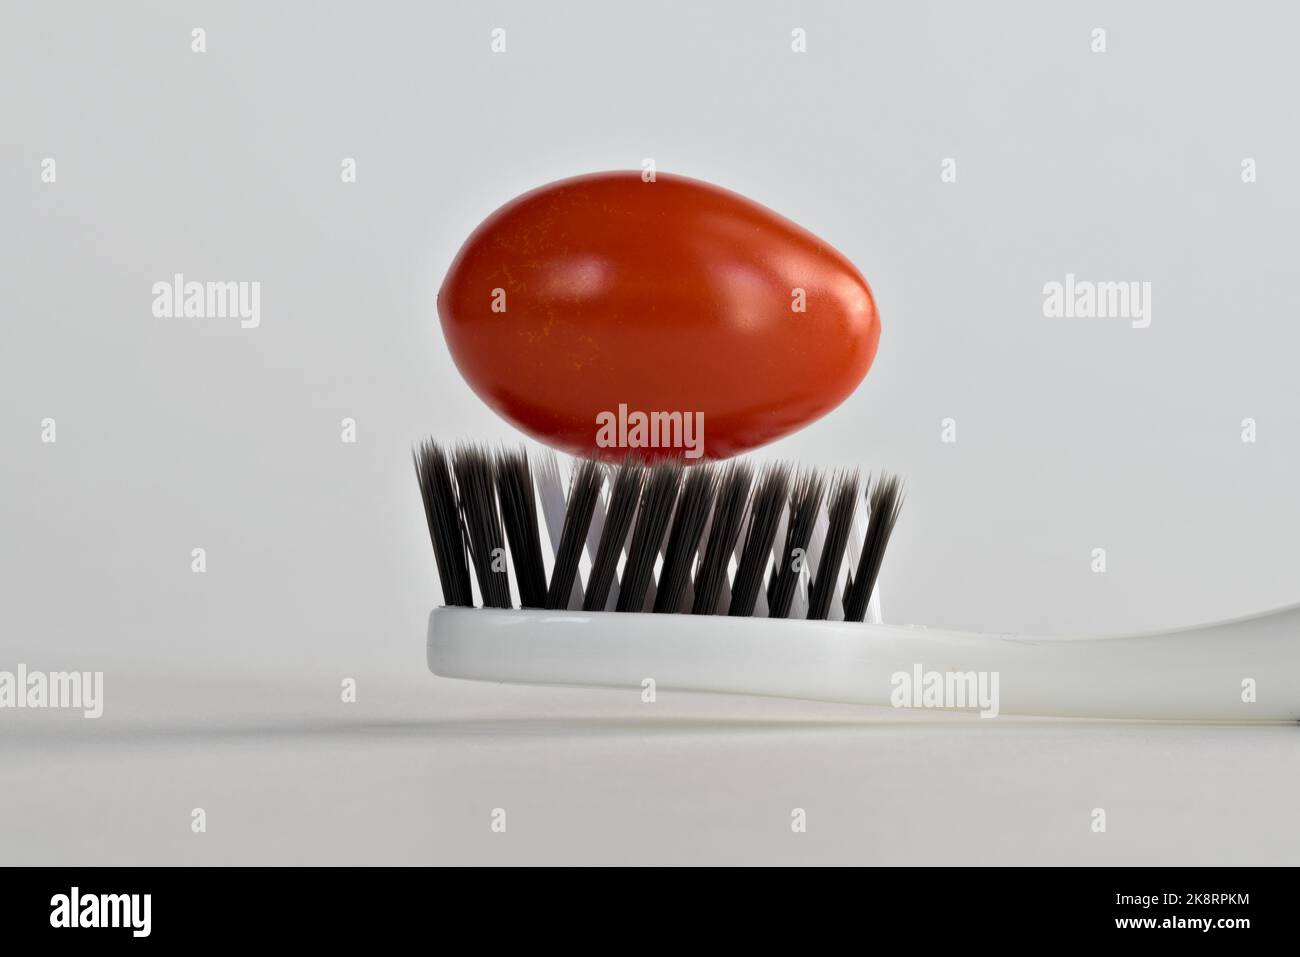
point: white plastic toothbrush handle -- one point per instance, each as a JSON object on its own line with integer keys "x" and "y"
{"x": 1242, "y": 670}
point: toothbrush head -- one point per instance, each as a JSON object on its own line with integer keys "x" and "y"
{"x": 724, "y": 541}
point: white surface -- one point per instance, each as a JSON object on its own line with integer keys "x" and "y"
{"x": 411, "y": 773}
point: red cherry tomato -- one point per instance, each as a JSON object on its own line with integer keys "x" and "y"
{"x": 596, "y": 298}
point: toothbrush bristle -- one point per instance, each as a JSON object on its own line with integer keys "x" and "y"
{"x": 519, "y": 511}
{"x": 584, "y": 490}
{"x": 433, "y": 473}
{"x": 805, "y": 505}
{"x": 885, "y": 500}
{"x": 623, "y": 498}
{"x": 728, "y": 518}
{"x": 477, "y": 502}
{"x": 476, "y": 491}
{"x": 684, "y": 538}
{"x": 839, "y": 518}
{"x": 764, "y": 517}
{"x": 657, "y": 499}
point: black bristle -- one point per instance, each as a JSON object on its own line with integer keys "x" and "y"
{"x": 652, "y": 522}
{"x": 584, "y": 491}
{"x": 623, "y": 496}
{"x": 477, "y": 502}
{"x": 839, "y": 515}
{"x": 514, "y": 480}
{"x": 684, "y": 538}
{"x": 476, "y": 491}
{"x": 764, "y": 516}
{"x": 728, "y": 516}
{"x": 885, "y": 498}
{"x": 805, "y": 504}
{"x": 433, "y": 472}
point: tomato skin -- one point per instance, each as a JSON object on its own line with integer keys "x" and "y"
{"x": 672, "y": 295}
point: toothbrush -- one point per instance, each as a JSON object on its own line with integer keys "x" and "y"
{"x": 713, "y": 633}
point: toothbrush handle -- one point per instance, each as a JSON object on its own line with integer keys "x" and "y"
{"x": 1205, "y": 673}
